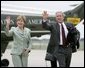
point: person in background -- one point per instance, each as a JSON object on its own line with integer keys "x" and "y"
{"x": 21, "y": 41}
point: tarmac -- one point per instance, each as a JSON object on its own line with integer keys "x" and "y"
{"x": 37, "y": 58}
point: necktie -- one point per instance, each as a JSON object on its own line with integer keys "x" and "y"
{"x": 63, "y": 35}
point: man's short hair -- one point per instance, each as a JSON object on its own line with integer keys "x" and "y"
{"x": 61, "y": 13}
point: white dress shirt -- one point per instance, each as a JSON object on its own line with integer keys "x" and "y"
{"x": 66, "y": 32}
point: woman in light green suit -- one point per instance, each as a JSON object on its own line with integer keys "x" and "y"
{"x": 21, "y": 41}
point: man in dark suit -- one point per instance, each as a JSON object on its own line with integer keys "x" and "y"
{"x": 58, "y": 48}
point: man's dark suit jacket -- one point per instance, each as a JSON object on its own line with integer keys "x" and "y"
{"x": 53, "y": 45}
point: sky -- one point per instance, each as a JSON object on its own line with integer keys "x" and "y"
{"x": 50, "y": 6}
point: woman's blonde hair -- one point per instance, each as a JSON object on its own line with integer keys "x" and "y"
{"x": 20, "y": 17}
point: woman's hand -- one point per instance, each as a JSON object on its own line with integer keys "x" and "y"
{"x": 26, "y": 51}
{"x": 8, "y": 20}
